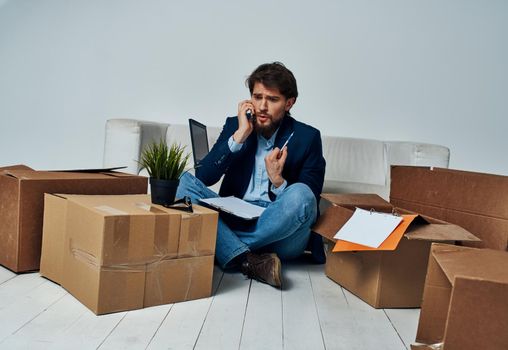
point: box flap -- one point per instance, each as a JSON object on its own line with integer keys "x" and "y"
{"x": 429, "y": 229}
{"x": 98, "y": 170}
{"x": 438, "y": 346}
{"x": 479, "y": 310}
{"x": 485, "y": 264}
{"x": 474, "y": 201}
{"x": 15, "y": 167}
{"x": 331, "y": 220}
{"x": 358, "y": 200}
{"x": 23, "y": 174}
{"x": 422, "y": 227}
{"x": 342, "y": 208}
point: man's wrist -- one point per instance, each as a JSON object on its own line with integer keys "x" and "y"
{"x": 233, "y": 145}
{"x": 278, "y": 190}
{"x": 240, "y": 136}
{"x": 277, "y": 182}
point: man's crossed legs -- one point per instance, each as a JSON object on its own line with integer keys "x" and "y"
{"x": 283, "y": 229}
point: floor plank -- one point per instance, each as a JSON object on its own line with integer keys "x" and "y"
{"x": 222, "y": 328}
{"x": 65, "y": 324}
{"x": 301, "y": 329}
{"x": 263, "y": 319}
{"x": 338, "y": 324}
{"x": 182, "y": 325}
{"x": 405, "y": 321}
{"x": 5, "y": 274}
{"x": 375, "y": 328}
{"x": 136, "y": 329}
{"x": 22, "y": 299}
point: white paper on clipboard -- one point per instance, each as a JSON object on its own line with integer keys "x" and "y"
{"x": 368, "y": 228}
{"x": 235, "y": 206}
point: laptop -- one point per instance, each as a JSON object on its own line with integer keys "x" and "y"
{"x": 199, "y": 140}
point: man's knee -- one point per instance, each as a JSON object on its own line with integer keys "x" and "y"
{"x": 299, "y": 192}
{"x": 299, "y": 198}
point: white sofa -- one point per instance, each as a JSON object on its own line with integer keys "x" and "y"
{"x": 353, "y": 165}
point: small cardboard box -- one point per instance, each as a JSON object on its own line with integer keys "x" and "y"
{"x": 465, "y": 303}
{"x": 21, "y": 205}
{"x": 477, "y": 202}
{"x": 117, "y": 253}
{"x": 383, "y": 278}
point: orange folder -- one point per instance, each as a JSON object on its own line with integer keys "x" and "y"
{"x": 390, "y": 243}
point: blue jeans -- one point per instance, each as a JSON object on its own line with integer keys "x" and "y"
{"x": 283, "y": 228}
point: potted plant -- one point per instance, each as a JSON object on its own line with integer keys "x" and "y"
{"x": 165, "y": 164}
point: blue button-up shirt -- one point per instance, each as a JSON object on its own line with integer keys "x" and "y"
{"x": 259, "y": 181}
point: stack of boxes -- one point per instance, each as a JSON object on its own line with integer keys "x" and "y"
{"x": 464, "y": 302}
{"x": 462, "y": 291}
{"x": 117, "y": 253}
{"x": 103, "y": 240}
{"x": 22, "y": 205}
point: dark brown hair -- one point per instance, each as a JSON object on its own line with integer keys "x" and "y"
{"x": 274, "y": 75}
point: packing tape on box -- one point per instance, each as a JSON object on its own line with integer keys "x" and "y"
{"x": 193, "y": 226}
{"x": 93, "y": 261}
{"x": 157, "y": 275}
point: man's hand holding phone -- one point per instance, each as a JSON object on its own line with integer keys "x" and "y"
{"x": 245, "y": 124}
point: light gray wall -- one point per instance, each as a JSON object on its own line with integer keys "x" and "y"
{"x": 432, "y": 70}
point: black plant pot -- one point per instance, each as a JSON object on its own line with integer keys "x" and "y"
{"x": 163, "y": 191}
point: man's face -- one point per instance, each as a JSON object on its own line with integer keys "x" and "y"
{"x": 270, "y": 107}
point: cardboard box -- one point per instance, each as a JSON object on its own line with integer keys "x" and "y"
{"x": 383, "y": 278}
{"x": 22, "y": 199}
{"x": 465, "y": 303}
{"x": 117, "y": 253}
{"x": 478, "y": 202}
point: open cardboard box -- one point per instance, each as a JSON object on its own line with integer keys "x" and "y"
{"x": 478, "y": 202}
{"x": 384, "y": 278}
{"x": 22, "y": 201}
{"x": 120, "y": 252}
{"x": 465, "y": 303}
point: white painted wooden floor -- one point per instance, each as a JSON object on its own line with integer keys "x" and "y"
{"x": 311, "y": 312}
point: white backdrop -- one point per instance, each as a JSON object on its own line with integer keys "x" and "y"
{"x": 433, "y": 71}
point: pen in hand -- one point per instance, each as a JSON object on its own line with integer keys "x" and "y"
{"x": 285, "y": 144}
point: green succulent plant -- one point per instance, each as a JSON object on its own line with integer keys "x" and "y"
{"x": 164, "y": 162}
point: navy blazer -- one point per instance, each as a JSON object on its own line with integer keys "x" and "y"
{"x": 304, "y": 163}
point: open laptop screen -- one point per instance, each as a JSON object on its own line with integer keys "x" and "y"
{"x": 199, "y": 140}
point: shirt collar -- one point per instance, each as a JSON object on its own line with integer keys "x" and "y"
{"x": 267, "y": 144}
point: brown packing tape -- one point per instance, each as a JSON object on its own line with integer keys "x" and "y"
{"x": 157, "y": 275}
{"x": 91, "y": 260}
{"x": 195, "y": 227}
{"x": 167, "y": 235}
{"x": 161, "y": 238}
{"x": 194, "y": 233}
{"x": 190, "y": 272}
{"x": 121, "y": 234}
{"x": 84, "y": 256}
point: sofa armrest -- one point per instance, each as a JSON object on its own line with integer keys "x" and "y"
{"x": 363, "y": 165}
{"x": 126, "y": 138}
{"x": 417, "y": 154}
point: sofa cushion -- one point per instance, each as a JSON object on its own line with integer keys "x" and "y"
{"x": 355, "y": 160}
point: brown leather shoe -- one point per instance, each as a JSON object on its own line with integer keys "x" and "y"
{"x": 263, "y": 267}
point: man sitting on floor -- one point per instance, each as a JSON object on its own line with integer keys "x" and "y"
{"x": 271, "y": 160}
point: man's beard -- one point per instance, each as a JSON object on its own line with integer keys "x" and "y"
{"x": 268, "y": 130}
